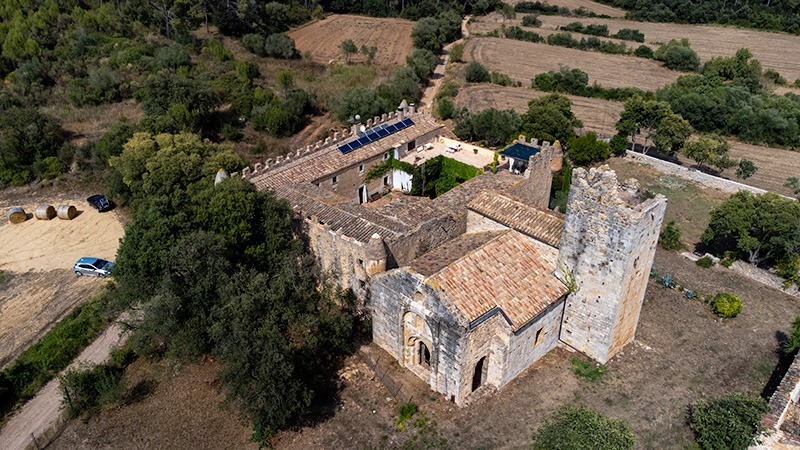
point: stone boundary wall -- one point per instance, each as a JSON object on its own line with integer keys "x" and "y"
{"x": 764, "y": 277}
{"x": 337, "y": 138}
{"x": 785, "y": 397}
{"x": 695, "y": 175}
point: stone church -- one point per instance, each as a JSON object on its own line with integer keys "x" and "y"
{"x": 469, "y": 289}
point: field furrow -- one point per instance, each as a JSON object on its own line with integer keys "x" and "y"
{"x": 322, "y": 38}
{"x": 595, "y": 7}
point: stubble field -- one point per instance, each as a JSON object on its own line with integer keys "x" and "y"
{"x": 596, "y": 114}
{"x": 322, "y": 38}
{"x": 708, "y": 41}
{"x": 524, "y": 60}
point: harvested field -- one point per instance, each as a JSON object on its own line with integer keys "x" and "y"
{"x": 597, "y": 115}
{"x": 322, "y": 38}
{"x": 708, "y": 41}
{"x": 775, "y": 165}
{"x": 524, "y": 60}
{"x": 595, "y": 7}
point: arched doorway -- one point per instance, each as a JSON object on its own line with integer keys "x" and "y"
{"x": 424, "y": 355}
{"x": 479, "y": 376}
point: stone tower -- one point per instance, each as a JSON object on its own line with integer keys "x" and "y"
{"x": 376, "y": 255}
{"x": 609, "y": 240}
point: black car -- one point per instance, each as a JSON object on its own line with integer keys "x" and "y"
{"x": 99, "y": 202}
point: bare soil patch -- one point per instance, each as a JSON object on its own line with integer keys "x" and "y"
{"x": 37, "y": 259}
{"x": 595, "y": 7}
{"x": 597, "y": 115}
{"x": 392, "y": 37}
{"x": 90, "y": 123}
{"x": 524, "y": 60}
{"x": 707, "y": 40}
{"x": 175, "y": 409}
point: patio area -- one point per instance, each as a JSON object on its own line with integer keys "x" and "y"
{"x": 460, "y": 151}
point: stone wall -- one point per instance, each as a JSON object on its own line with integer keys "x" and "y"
{"x": 398, "y": 292}
{"x": 423, "y": 239}
{"x": 608, "y": 244}
{"x": 342, "y": 257}
{"x": 764, "y": 277}
{"x": 784, "y": 404}
{"x": 525, "y": 349}
{"x": 695, "y": 175}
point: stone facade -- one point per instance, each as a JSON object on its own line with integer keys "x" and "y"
{"x": 409, "y": 312}
{"x": 608, "y": 244}
{"x": 535, "y": 187}
{"x": 782, "y": 423}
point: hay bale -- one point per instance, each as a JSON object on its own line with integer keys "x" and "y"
{"x": 45, "y": 212}
{"x": 17, "y": 215}
{"x": 67, "y": 212}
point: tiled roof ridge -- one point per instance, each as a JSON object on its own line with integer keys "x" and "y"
{"x": 476, "y": 249}
{"x": 387, "y": 232}
{"x": 528, "y": 203}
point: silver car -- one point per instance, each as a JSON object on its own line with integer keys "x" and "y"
{"x": 95, "y": 267}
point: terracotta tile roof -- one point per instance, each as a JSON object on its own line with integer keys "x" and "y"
{"x": 521, "y": 215}
{"x": 351, "y": 220}
{"x": 512, "y": 272}
{"x": 412, "y": 211}
{"x": 455, "y": 200}
{"x": 447, "y": 253}
{"x": 330, "y": 160}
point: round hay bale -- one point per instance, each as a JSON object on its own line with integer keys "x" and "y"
{"x": 67, "y": 212}
{"x": 17, "y": 215}
{"x": 45, "y": 212}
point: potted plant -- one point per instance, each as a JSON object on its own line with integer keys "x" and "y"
{"x": 475, "y": 150}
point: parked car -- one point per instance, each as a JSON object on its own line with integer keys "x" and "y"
{"x": 94, "y": 267}
{"x": 99, "y": 202}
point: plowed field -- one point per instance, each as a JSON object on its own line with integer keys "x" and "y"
{"x": 772, "y": 49}
{"x": 524, "y": 60}
{"x": 597, "y": 115}
{"x": 392, "y": 37}
{"x": 595, "y": 7}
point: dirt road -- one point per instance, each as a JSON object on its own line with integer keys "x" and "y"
{"x": 40, "y": 414}
{"x": 438, "y": 73}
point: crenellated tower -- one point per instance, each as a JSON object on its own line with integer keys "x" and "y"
{"x": 609, "y": 241}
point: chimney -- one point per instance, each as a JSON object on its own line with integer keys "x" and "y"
{"x": 376, "y": 255}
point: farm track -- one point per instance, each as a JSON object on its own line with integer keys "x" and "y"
{"x": 524, "y": 60}
{"x": 596, "y": 114}
{"x": 321, "y": 39}
{"x": 708, "y": 41}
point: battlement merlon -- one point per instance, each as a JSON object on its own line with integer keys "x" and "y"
{"x": 600, "y": 185}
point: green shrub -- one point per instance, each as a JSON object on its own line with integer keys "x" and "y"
{"x": 705, "y": 262}
{"x": 788, "y": 268}
{"x": 254, "y": 43}
{"x": 726, "y": 305}
{"x": 629, "y": 34}
{"x": 445, "y": 108}
{"x": 729, "y": 422}
{"x": 86, "y": 389}
{"x": 587, "y": 370}
{"x": 670, "y": 238}
{"x": 619, "y": 145}
{"x": 217, "y": 50}
{"x": 407, "y": 411}
{"x": 476, "y": 73}
{"x": 501, "y": 79}
{"x": 643, "y": 51}
{"x": 172, "y": 57}
{"x": 51, "y": 167}
{"x": 456, "y": 53}
{"x": 571, "y": 428}
{"x": 531, "y": 20}
{"x": 280, "y": 45}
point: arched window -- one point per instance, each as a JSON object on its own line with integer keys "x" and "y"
{"x": 424, "y": 355}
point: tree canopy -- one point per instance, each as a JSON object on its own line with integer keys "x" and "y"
{"x": 763, "y": 226}
{"x": 550, "y": 118}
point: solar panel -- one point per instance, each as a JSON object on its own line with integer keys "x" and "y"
{"x": 373, "y": 134}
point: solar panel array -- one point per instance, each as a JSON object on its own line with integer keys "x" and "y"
{"x": 373, "y": 134}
